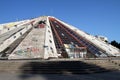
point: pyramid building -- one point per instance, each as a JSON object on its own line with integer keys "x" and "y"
{"x": 48, "y": 37}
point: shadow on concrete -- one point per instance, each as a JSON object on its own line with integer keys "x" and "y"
{"x": 58, "y": 67}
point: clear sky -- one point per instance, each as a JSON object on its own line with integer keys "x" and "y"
{"x": 97, "y": 17}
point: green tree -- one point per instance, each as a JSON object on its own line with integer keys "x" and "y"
{"x": 115, "y": 43}
{"x": 119, "y": 45}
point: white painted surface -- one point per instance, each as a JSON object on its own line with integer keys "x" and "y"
{"x": 102, "y": 45}
{"x": 50, "y": 49}
{"x": 10, "y": 40}
{"x": 31, "y": 46}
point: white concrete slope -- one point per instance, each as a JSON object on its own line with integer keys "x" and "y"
{"x": 11, "y": 26}
{"x": 107, "y": 48}
{"x": 11, "y": 36}
{"x": 38, "y": 43}
{"x": 50, "y": 49}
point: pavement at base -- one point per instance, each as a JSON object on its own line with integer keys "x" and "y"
{"x": 96, "y": 76}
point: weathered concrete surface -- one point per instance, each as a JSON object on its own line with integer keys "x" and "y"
{"x": 15, "y": 70}
{"x": 96, "y": 76}
{"x": 31, "y": 47}
{"x": 23, "y": 65}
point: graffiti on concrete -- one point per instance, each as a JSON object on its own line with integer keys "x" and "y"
{"x": 27, "y": 51}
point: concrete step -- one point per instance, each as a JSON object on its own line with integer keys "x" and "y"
{"x": 103, "y": 63}
{"x": 73, "y": 67}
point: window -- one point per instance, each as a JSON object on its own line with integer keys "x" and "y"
{"x": 20, "y": 33}
{"x": 50, "y": 36}
{"x": 55, "y": 21}
{"x": 49, "y": 31}
{"x": 52, "y": 49}
{"x": 50, "y": 41}
{"x": 14, "y": 36}
{"x": 57, "y": 26}
{"x": 62, "y": 34}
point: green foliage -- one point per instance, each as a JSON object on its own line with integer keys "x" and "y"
{"x": 115, "y": 43}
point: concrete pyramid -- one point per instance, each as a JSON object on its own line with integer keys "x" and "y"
{"x": 48, "y": 37}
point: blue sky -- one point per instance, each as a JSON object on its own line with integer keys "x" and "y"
{"x": 97, "y": 17}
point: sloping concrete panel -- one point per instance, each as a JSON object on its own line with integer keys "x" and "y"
{"x": 31, "y": 46}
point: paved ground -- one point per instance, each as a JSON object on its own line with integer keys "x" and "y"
{"x": 96, "y": 76}
{"x": 7, "y": 72}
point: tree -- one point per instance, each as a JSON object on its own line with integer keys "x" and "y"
{"x": 119, "y": 45}
{"x": 116, "y": 44}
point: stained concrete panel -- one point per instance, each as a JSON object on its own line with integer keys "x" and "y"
{"x": 31, "y": 46}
